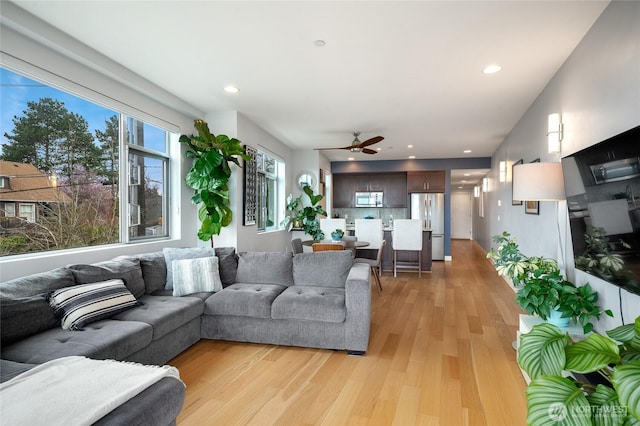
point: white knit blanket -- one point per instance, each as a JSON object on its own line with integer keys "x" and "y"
{"x": 74, "y": 390}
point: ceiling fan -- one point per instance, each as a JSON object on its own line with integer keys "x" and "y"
{"x": 357, "y": 146}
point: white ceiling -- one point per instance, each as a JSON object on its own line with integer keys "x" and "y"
{"x": 408, "y": 71}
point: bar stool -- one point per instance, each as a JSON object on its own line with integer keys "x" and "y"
{"x": 407, "y": 236}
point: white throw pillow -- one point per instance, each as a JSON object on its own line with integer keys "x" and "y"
{"x": 196, "y": 275}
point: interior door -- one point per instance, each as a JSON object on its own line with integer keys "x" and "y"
{"x": 461, "y": 209}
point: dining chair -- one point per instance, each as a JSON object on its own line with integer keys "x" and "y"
{"x": 349, "y": 241}
{"x": 327, "y": 247}
{"x": 375, "y": 264}
{"x": 327, "y": 226}
{"x": 370, "y": 230}
{"x": 407, "y": 236}
{"x": 296, "y": 245}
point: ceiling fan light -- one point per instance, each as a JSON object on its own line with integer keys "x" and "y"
{"x": 355, "y": 149}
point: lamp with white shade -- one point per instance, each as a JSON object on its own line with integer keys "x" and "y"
{"x": 538, "y": 182}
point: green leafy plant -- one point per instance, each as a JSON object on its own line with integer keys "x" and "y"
{"x": 541, "y": 286}
{"x": 209, "y": 176}
{"x": 303, "y": 216}
{"x": 546, "y": 352}
{"x": 337, "y": 234}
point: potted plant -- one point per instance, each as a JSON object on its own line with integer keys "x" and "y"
{"x": 337, "y": 235}
{"x": 546, "y": 351}
{"x": 305, "y": 216}
{"x": 542, "y": 289}
{"x": 209, "y": 176}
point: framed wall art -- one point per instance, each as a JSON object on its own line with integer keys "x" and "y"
{"x": 532, "y": 207}
{"x": 515, "y": 202}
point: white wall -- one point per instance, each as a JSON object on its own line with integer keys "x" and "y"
{"x": 597, "y": 91}
{"x": 247, "y": 238}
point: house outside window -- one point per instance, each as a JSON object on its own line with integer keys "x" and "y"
{"x": 10, "y": 210}
{"x": 28, "y": 212}
{"x": 91, "y": 175}
{"x": 270, "y": 200}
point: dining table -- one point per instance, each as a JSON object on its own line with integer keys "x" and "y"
{"x": 347, "y": 244}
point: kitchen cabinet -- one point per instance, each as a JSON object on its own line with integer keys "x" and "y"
{"x": 426, "y": 181}
{"x": 392, "y": 185}
{"x": 395, "y": 190}
{"x": 369, "y": 182}
{"x": 344, "y": 189}
{"x": 407, "y": 256}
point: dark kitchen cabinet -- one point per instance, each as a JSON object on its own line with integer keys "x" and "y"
{"x": 369, "y": 182}
{"x": 426, "y": 181}
{"x": 395, "y": 190}
{"x": 344, "y": 189}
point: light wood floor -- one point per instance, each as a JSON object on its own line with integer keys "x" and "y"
{"x": 440, "y": 354}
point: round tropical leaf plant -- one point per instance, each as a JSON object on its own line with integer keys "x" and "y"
{"x": 209, "y": 176}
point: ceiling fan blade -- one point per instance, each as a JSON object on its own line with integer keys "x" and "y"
{"x": 324, "y": 149}
{"x": 369, "y": 151}
{"x": 371, "y": 141}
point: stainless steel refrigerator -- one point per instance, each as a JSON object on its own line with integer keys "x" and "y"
{"x": 430, "y": 209}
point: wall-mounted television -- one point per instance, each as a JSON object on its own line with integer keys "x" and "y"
{"x": 602, "y": 184}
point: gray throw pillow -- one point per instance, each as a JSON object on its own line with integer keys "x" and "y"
{"x": 154, "y": 271}
{"x": 172, "y": 253}
{"x": 37, "y": 284}
{"x": 322, "y": 269}
{"x": 265, "y": 268}
{"x": 125, "y": 268}
{"x": 227, "y": 264}
{"x": 24, "y": 317}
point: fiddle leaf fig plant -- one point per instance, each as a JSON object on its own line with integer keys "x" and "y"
{"x": 546, "y": 352}
{"x": 209, "y": 176}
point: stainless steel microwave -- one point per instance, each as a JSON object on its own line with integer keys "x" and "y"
{"x": 614, "y": 171}
{"x": 368, "y": 199}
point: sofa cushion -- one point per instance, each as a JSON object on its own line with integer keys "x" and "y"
{"x": 154, "y": 271}
{"x": 310, "y": 303}
{"x": 25, "y": 316}
{"x": 265, "y": 268}
{"x": 37, "y": 284}
{"x": 87, "y": 303}
{"x": 163, "y": 313}
{"x": 323, "y": 269}
{"x": 173, "y": 253}
{"x": 195, "y": 275}
{"x": 227, "y": 264}
{"x": 106, "y": 339}
{"x": 10, "y": 369}
{"x": 125, "y": 268}
{"x": 250, "y": 300}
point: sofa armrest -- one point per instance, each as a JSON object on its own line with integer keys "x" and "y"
{"x": 358, "y": 301}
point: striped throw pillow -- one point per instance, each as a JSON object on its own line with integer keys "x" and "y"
{"x": 83, "y": 304}
{"x": 196, "y": 275}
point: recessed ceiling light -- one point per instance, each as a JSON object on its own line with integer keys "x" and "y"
{"x": 467, "y": 174}
{"x": 319, "y": 43}
{"x": 231, "y": 89}
{"x": 463, "y": 181}
{"x": 491, "y": 69}
{"x": 350, "y": 158}
{"x": 409, "y": 146}
{"x": 467, "y": 151}
{"x": 378, "y": 149}
{"x": 461, "y": 187}
{"x": 412, "y": 156}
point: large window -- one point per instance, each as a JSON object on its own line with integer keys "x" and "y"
{"x": 81, "y": 174}
{"x": 269, "y": 198}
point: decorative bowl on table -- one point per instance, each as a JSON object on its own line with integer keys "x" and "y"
{"x": 337, "y": 235}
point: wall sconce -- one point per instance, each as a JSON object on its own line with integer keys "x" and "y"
{"x": 503, "y": 171}
{"x": 485, "y": 185}
{"x": 554, "y": 132}
{"x": 476, "y": 191}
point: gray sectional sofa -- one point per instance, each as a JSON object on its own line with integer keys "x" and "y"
{"x": 317, "y": 300}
